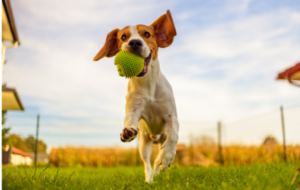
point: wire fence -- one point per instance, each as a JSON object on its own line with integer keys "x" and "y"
{"x": 98, "y": 140}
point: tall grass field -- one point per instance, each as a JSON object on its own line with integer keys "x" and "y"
{"x": 258, "y": 176}
{"x": 185, "y": 155}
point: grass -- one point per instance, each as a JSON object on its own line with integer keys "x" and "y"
{"x": 258, "y": 176}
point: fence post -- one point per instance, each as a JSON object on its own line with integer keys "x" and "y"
{"x": 191, "y": 149}
{"x": 220, "y": 143}
{"x": 283, "y": 133}
{"x": 36, "y": 138}
{"x": 137, "y": 152}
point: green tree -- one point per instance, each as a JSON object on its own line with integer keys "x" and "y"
{"x": 5, "y": 131}
{"x": 18, "y": 142}
{"x": 3, "y": 117}
{"x": 25, "y": 144}
{"x": 30, "y": 144}
{"x": 5, "y": 139}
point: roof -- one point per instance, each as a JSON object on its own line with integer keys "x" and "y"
{"x": 10, "y": 99}
{"x": 20, "y": 152}
{"x": 40, "y": 155}
{"x": 9, "y": 30}
{"x": 292, "y": 74}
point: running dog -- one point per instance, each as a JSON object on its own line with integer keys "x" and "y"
{"x": 150, "y": 105}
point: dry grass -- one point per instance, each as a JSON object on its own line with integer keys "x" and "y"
{"x": 185, "y": 156}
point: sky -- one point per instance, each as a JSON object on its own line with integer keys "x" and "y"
{"x": 222, "y": 64}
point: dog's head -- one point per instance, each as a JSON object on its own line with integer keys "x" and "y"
{"x": 140, "y": 39}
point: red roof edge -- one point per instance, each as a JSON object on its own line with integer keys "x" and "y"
{"x": 289, "y": 72}
{"x": 20, "y": 152}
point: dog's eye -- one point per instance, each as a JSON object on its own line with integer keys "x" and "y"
{"x": 147, "y": 34}
{"x": 123, "y": 37}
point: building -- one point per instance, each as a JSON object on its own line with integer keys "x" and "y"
{"x": 10, "y": 99}
{"x": 9, "y": 31}
{"x": 41, "y": 158}
{"x": 292, "y": 75}
{"x": 14, "y": 156}
{"x": 10, "y": 39}
{"x": 19, "y": 157}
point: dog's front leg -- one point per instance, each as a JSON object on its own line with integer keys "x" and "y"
{"x": 130, "y": 130}
{"x": 131, "y": 121}
{"x": 168, "y": 149}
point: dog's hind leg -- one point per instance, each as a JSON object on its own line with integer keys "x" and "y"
{"x": 168, "y": 149}
{"x": 145, "y": 147}
{"x": 157, "y": 161}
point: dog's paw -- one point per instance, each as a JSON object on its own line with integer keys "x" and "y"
{"x": 128, "y": 134}
{"x": 166, "y": 156}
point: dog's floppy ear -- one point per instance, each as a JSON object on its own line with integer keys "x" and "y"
{"x": 164, "y": 29}
{"x": 110, "y": 47}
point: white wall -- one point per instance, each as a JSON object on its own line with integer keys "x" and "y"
{"x": 17, "y": 159}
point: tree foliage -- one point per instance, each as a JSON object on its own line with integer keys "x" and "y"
{"x": 5, "y": 139}
{"x": 27, "y": 144}
{"x": 5, "y": 131}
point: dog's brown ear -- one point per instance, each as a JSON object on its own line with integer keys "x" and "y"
{"x": 164, "y": 29}
{"x": 110, "y": 47}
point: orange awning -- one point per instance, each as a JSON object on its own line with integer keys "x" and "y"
{"x": 292, "y": 74}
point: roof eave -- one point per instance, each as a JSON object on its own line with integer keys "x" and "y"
{"x": 4, "y": 88}
{"x": 10, "y": 17}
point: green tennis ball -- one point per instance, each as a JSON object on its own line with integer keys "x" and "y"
{"x": 129, "y": 64}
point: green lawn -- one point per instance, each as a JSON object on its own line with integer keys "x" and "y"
{"x": 263, "y": 176}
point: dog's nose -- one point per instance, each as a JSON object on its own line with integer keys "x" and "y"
{"x": 135, "y": 44}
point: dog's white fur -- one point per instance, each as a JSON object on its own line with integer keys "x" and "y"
{"x": 151, "y": 110}
{"x": 135, "y": 36}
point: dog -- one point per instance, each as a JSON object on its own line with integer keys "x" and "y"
{"x": 150, "y": 105}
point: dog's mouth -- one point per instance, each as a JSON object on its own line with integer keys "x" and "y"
{"x": 146, "y": 65}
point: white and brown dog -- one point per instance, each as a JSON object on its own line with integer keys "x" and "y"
{"x": 150, "y": 104}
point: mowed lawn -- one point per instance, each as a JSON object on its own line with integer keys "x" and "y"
{"x": 260, "y": 176}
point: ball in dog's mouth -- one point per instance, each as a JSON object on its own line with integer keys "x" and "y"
{"x": 146, "y": 65}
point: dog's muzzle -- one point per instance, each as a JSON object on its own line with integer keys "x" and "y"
{"x": 146, "y": 65}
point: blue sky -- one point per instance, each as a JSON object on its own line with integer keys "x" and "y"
{"x": 222, "y": 64}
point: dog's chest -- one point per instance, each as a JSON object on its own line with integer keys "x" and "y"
{"x": 152, "y": 121}
{"x": 155, "y": 113}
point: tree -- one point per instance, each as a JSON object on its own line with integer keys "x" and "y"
{"x": 30, "y": 144}
{"x": 5, "y": 139}
{"x": 5, "y": 131}
{"x": 25, "y": 144}
{"x": 18, "y": 142}
{"x": 270, "y": 141}
{"x": 3, "y": 117}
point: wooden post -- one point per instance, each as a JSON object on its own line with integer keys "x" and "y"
{"x": 220, "y": 143}
{"x": 36, "y": 138}
{"x": 283, "y": 133}
{"x": 191, "y": 150}
{"x": 137, "y": 152}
